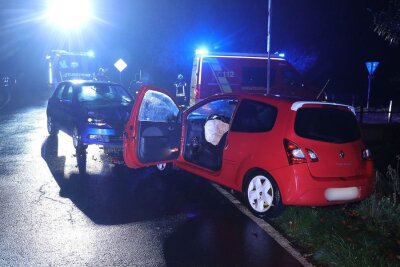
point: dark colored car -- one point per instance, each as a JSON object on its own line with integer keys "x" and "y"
{"x": 91, "y": 112}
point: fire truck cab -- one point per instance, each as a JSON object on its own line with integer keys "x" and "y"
{"x": 215, "y": 73}
{"x": 65, "y": 65}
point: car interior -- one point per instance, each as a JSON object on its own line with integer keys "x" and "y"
{"x": 197, "y": 149}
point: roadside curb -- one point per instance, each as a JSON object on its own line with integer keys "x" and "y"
{"x": 266, "y": 227}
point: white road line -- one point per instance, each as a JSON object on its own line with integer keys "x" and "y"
{"x": 265, "y": 226}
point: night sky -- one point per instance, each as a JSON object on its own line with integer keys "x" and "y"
{"x": 328, "y": 39}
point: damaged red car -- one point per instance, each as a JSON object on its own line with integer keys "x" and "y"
{"x": 275, "y": 151}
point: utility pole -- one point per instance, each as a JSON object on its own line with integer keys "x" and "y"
{"x": 269, "y": 47}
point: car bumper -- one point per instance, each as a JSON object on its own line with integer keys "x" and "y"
{"x": 99, "y": 136}
{"x": 306, "y": 190}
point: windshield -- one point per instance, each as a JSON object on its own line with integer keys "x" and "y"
{"x": 103, "y": 94}
{"x": 327, "y": 124}
{"x": 75, "y": 67}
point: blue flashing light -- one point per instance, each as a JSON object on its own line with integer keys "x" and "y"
{"x": 281, "y": 54}
{"x": 90, "y": 53}
{"x": 201, "y": 51}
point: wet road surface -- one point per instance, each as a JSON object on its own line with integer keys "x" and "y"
{"x": 52, "y": 215}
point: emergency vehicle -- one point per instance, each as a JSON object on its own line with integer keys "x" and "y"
{"x": 215, "y": 73}
{"x": 65, "y": 65}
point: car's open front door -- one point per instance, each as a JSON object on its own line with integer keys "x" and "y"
{"x": 152, "y": 134}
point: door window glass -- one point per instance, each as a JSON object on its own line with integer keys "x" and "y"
{"x": 222, "y": 107}
{"x": 68, "y": 92}
{"x": 257, "y": 76}
{"x": 59, "y": 91}
{"x": 291, "y": 78}
{"x": 158, "y": 107}
{"x": 254, "y": 117}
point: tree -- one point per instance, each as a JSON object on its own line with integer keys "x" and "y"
{"x": 387, "y": 22}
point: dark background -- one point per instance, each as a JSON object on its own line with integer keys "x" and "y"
{"x": 330, "y": 39}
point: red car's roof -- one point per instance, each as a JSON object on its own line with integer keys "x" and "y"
{"x": 292, "y": 102}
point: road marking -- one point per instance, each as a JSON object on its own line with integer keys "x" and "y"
{"x": 265, "y": 226}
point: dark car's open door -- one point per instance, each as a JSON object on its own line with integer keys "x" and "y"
{"x": 152, "y": 134}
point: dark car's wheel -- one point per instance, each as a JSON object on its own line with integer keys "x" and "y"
{"x": 77, "y": 140}
{"x": 51, "y": 126}
{"x": 262, "y": 195}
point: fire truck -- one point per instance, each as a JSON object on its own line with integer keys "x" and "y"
{"x": 65, "y": 65}
{"x": 214, "y": 73}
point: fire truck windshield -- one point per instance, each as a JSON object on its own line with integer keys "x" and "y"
{"x": 74, "y": 67}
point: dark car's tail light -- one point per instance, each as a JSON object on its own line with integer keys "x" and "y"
{"x": 294, "y": 153}
{"x": 366, "y": 154}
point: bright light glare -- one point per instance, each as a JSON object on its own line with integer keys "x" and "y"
{"x": 280, "y": 54}
{"x": 201, "y": 51}
{"x": 90, "y": 53}
{"x": 69, "y": 14}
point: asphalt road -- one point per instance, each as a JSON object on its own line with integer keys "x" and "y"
{"x": 53, "y": 216}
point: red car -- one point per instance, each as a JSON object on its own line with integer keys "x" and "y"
{"x": 275, "y": 151}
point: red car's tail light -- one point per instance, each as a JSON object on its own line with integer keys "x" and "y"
{"x": 294, "y": 154}
{"x": 312, "y": 155}
{"x": 366, "y": 154}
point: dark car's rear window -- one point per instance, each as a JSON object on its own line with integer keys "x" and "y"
{"x": 327, "y": 124}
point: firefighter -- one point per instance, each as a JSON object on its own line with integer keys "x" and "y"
{"x": 101, "y": 75}
{"x": 180, "y": 86}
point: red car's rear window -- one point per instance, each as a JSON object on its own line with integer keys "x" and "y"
{"x": 327, "y": 124}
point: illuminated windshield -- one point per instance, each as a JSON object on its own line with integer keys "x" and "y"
{"x": 103, "y": 93}
{"x": 75, "y": 67}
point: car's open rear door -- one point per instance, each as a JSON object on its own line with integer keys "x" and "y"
{"x": 152, "y": 134}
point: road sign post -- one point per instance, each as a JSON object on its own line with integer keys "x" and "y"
{"x": 371, "y": 67}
